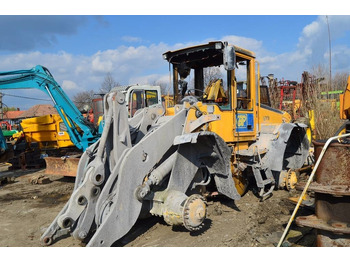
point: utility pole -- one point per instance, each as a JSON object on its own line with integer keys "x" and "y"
{"x": 330, "y": 57}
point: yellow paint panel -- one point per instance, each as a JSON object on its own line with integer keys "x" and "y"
{"x": 345, "y": 102}
{"x": 45, "y": 130}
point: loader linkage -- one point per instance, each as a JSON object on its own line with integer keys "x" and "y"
{"x": 143, "y": 164}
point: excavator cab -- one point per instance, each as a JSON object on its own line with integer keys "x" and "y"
{"x": 138, "y": 97}
{"x": 141, "y": 98}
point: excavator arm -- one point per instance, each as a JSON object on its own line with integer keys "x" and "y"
{"x": 3, "y": 145}
{"x": 82, "y": 133}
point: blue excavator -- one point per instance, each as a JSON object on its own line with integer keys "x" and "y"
{"x": 82, "y": 132}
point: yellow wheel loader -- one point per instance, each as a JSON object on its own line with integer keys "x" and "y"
{"x": 163, "y": 162}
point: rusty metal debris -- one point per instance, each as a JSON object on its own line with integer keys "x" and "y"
{"x": 332, "y": 197}
{"x": 39, "y": 179}
{"x": 320, "y": 155}
{"x": 64, "y": 165}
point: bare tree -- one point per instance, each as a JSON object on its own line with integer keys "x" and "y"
{"x": 108, "y": 83}
{"x": 274, "y": 92}
{"x": 339, "y": 81}
{"x": 211, "y": 74}
{"x": 322, "y": 76}
{"x": 83, "y": 100}
{"x": 325, "y": 108}
{"x": 163, "y": 87}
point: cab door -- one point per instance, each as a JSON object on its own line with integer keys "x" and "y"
{"x": 136, "y": 101}
{"x": 245, "y": 97}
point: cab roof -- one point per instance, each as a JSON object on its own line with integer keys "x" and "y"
{"x": 205, "y": 55}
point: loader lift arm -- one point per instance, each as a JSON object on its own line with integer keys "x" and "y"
{"x": 40, "y": 78}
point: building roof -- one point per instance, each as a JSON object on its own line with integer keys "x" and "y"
{"x": 12, "y": 114}
{"x": 38, "y": 110}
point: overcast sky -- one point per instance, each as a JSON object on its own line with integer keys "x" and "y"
{"x": 80, "y": 50}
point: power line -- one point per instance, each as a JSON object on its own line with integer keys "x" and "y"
{"x": 26, "y": 97}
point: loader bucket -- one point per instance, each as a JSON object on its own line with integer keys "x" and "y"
{"x": 62, "y": 166}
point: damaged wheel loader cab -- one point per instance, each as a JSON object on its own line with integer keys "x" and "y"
{"x": 163, "y": 163}
{"x": 262, "y": 140}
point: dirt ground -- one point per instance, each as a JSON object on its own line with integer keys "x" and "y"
{"x": 27, "y": 209}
